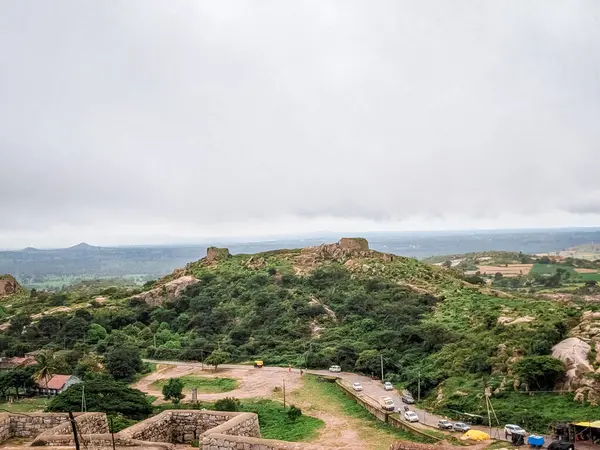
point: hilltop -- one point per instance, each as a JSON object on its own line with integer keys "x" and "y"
{"x": 340, "y": 303}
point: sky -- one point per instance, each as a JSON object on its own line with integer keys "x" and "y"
{"x": 145, "y": 121}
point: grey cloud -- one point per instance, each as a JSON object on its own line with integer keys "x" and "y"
{"x": 199, "y": 115}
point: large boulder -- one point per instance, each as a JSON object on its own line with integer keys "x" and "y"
{"x": 216, "y": 254}
{"x": 167, "y": 292}
{"x": 573, "y": 352}
{"x": 9, "y": 285}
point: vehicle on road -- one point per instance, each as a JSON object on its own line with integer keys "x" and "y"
{"x": 461, "y": 426}
{"x": 408, "y": 399}
{"x": 258, "y": 364}
{"x": 510, "y": 429}
{"x": 388, "y": 386}
{"x": 411, "y": 416}
{"x": 445, "y": 425}
{"x": 387, "y": 403}
{"x": 357, "y": 386}
{"x": 335, "y": 369}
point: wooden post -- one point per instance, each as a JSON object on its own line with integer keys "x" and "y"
{"x": 112, "y": 432}
{"x": 284, "y": 394}
{"x": 74, "y": 426}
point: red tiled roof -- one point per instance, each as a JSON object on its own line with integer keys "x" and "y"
{"x": 22, "y": 361}
{"x": 56, "y": 382}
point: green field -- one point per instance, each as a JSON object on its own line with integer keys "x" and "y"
{"x": 550, "y": 269}
{"x": 204, "y": 385}
{"x": 25, "y": 405}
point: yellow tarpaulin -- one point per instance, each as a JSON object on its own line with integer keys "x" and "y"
{"x": 594, "y": 424}
{"x": 475, "y": 435}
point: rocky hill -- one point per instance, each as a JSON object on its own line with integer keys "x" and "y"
{"x": 342, "y": 303}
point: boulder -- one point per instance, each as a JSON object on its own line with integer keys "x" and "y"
{"x": 573, "y": 352}
{"x": 167, "y": 292}
{"x": 359, "y": 244}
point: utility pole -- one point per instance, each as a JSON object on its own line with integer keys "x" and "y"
{"x": 74, "y": 427}
{"x": 154, "y": 340}
{"x": 284, "y": 394}
{"x": 83, "y": 403}
{"x": 419, "y": 387}
{"x": 381, "y": 367}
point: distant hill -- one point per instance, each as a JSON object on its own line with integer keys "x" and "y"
{"x": 56, "y": 267}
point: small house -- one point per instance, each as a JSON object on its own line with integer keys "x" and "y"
{"x": 56, "y": 384}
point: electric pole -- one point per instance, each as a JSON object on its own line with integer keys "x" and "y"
{"x": 419, "y": 387}
{"x": 284, "y": 394}
{"x": 381, "y": 367}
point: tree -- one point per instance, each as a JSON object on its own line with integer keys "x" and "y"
{"x": 368, "y": 361}
{"x": 498, "y": 276}
{"x": 227, "y": 404}
{"x": 106, "y": 395}
{"x": 45, "y": 367}
{"x": 21, "y": 379}
{"x": 541, "y": 372}
{"x": 123, "y": 362}
{"x": 216, "y": 358}
{"x": 172, "y": 390}
{"x": 96, "y": 333}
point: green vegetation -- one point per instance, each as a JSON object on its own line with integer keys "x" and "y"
{"x": 285, "y": 425}
{"x": 310, "y": 309}
{"x": 104, "y": 395}
{"x": 205, "y": 385}
{"x": 172, "y": 390}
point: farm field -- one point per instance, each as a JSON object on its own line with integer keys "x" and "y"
{"x": 575, "y": 274}
{"x": 509, "y": 270}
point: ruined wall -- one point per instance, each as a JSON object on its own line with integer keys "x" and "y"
{"x": 177, "y": 426}
{"x": 34, "y": 424}
{"x": 243, "y": 424}
{"x": 227, "y": 442}
{"x": 359, "y": 244}
{"x": 216, "y": 254}
{"x": 5, "y": 433}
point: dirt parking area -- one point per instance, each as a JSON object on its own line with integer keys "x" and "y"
{"x": 252, "y": 382}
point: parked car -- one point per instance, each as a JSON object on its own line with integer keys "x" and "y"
{"x": 461, "y": 426}
{"x": 388, "y": 386}
{"x": 357, "y": 386}
{"x": 387, "y": 403}
{"x": 445, "y": 425}
{"x": 510, "y": 429}
{"x": 408, "y": 399}
{"x": 335, "y": 369}
{"x": 411, "y": 416}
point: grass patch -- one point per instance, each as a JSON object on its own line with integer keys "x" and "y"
{"x": 205, "y": 385}
{"x": 26, "y": 405}
{"x": 274, "y": 422}
{"x": 327, "y": 397}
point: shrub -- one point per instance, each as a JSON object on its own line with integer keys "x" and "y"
{"x": 294, "y": 413}
{"x": 228, "y": 404}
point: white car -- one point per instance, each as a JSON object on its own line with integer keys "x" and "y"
{"x": 509, "y": 430}
{"x": 388, "y": 386}
{"x": 335, "y": 369}
{"x": 411, "y": 416}
{"x": 357, "y": 386}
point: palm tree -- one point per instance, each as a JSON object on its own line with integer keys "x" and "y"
{"x": 45, "y": 367}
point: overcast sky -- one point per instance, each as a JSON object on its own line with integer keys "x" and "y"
{"x": 148, "y": 120}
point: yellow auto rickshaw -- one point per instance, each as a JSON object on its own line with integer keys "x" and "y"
{"x": 258, "y": 364}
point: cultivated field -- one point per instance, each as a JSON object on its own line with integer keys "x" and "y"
{"x": 509, "y": 270}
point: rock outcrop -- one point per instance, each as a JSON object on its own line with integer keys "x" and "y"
{"x": 573, "y": 352}
{"x": 167, "y": 292}
{"x": 9, "y": 286}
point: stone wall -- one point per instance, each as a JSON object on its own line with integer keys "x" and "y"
{"x": 5, "y": 432}
{"x": 33, "y": 424}
{"x": 87, "y": 424}
{"x": 227, "y": 442}
{"x": 243, "y": 424}
{"x": 177, "y": 426}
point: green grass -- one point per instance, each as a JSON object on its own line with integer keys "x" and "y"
{"x": 205, "y": 385}
{"x": 274, "y": 423}
{"x": 25, "y": 405}
{"x": 333, "y": 393}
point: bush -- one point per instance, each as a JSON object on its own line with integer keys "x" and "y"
{"x": 228, "y": 404}
{"x": 172, "y": 390}
{"x": 294, "y": 413}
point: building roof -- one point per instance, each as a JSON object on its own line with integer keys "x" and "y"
{"x": 56, "y": 382}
